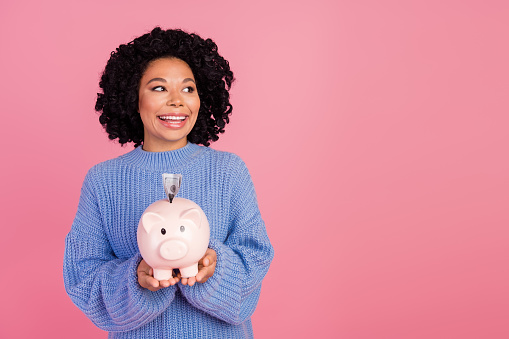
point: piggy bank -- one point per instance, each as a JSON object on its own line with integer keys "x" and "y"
{"x": 173, "y": 235}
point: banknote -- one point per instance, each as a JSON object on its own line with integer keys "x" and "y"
{"x": 171, "y": 183}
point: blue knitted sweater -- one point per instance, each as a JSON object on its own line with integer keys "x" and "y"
{"x": 101, "y": 252}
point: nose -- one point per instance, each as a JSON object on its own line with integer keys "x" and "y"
{"x": 173, "y": 250}
{"x": 174, "y": 99}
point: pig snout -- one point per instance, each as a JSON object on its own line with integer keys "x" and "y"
{"x": 173, "y": 250}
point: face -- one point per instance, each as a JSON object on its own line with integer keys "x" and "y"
{"x": 168, "y": 103}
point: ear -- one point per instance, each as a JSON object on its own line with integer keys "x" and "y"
{"x": 193, "y": 215}
{"x": 149, "y": 219}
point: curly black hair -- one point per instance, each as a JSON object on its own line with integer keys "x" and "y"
{"x": 118, "y": 104}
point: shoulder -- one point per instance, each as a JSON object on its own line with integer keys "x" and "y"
{"x": 232, "y": 170}
{"x": 226, "y": 165}
{"x": 107, "y": 168}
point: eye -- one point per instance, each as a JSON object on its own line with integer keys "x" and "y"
{"x": 182, "y": 228}
{"x": 188, "y": 89}
{"x": 158, "y": 89}
{"x": 163, "y": 231}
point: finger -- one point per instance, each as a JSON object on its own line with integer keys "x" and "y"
{"x": 208, "y": 259}
{"x": 201, "y": 274}
{"x": 191, "y": 281}
{"x": 204, "y": 274}
{"x": 211, "y": 257}
{"x": 207, "y": 272}
{"x": 142, "y": 279}
{"x": 153, "y": 282}
{"x": 147, "y": 281}
{"x": 184, "y": 281}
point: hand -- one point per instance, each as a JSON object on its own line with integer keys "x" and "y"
{"x": 146, "y": 278}
{"x": 206, "y": 268}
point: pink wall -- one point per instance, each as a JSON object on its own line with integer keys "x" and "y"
{"x": 376, "y": 133}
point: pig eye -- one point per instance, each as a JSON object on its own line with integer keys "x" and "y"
{"x": 163, "y": 231}
{"x": 182, "y": 228}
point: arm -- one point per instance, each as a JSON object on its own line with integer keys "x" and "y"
{"x": 232, "y": 292}
{"x": 103, "y": 286}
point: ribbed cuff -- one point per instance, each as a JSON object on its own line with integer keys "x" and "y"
{"x": 220, "y": 295}
{"x": 148, "y": 303}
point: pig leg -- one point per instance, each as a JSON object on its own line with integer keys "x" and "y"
{"x": 189, "y": 271}
{"x": 163, "y": 273}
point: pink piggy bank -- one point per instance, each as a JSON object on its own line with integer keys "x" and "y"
{"x": 173, "y": 235}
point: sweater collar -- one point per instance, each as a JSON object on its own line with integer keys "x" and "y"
{"x": 162, "y": 160}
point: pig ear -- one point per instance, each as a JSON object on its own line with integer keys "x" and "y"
{"x": 149, "y": 219}
{"x": 193, "y": 215}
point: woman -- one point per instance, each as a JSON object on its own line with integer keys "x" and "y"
{"x": 167, "y": 92}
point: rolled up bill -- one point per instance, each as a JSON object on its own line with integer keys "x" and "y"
{"x": 171, "y": 183}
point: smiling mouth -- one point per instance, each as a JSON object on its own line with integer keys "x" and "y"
{"x": 172, "y": 118}
{"x": 173, "y": 121}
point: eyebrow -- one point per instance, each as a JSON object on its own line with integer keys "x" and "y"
{"x": 164, "y": 80}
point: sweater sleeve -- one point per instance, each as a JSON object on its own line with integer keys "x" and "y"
{"x": 103, "y": 286}
{"x": 243, "y": 260}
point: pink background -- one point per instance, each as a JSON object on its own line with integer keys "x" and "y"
{"x": 376, "y": 133}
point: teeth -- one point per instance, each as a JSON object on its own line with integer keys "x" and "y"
{"x": 171, "y": 117}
